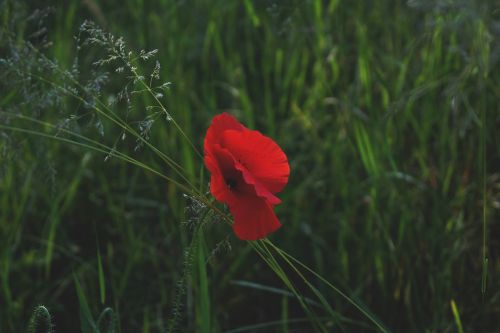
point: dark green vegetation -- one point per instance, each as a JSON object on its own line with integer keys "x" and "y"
{"x": 388, "y": 111}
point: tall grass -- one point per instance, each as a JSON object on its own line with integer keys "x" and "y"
{"x": 387, "y": 112}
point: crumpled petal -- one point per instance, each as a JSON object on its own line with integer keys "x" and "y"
{"x": 259, "y": 189}
{"x": 218, "y": 186}
{"x": 223, "y": 168}
{"x": 219, "y": 125}
{"x": 260, "y": 155}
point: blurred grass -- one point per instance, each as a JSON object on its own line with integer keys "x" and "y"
{"x": 387, "y": 110}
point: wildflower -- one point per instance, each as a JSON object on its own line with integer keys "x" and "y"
{"x": 247, "y": 170}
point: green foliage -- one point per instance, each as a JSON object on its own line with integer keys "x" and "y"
{"x": 387, "y": 111}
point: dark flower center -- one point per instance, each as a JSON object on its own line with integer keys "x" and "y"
{"x": 231, "y": 183}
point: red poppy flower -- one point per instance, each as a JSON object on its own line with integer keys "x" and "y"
{"x": 247, "y": 170}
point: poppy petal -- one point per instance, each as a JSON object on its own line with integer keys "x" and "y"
{"x": 260, "y": 155}
{"x": 223, "y": 168}
{"x": 254, "y": 218}
{"x": 247, "y": 169}
{"x": 217, "y": 183}
{"x": 259, "y": 189}
{"x": 221, "y": 123}
{"x": 220, "y": 163}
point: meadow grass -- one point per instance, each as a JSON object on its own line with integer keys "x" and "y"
{"x": 388, "y": 114}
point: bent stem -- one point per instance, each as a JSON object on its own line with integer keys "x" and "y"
{"x": 290, "y": 260}
{"x": 269, "y": 259}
